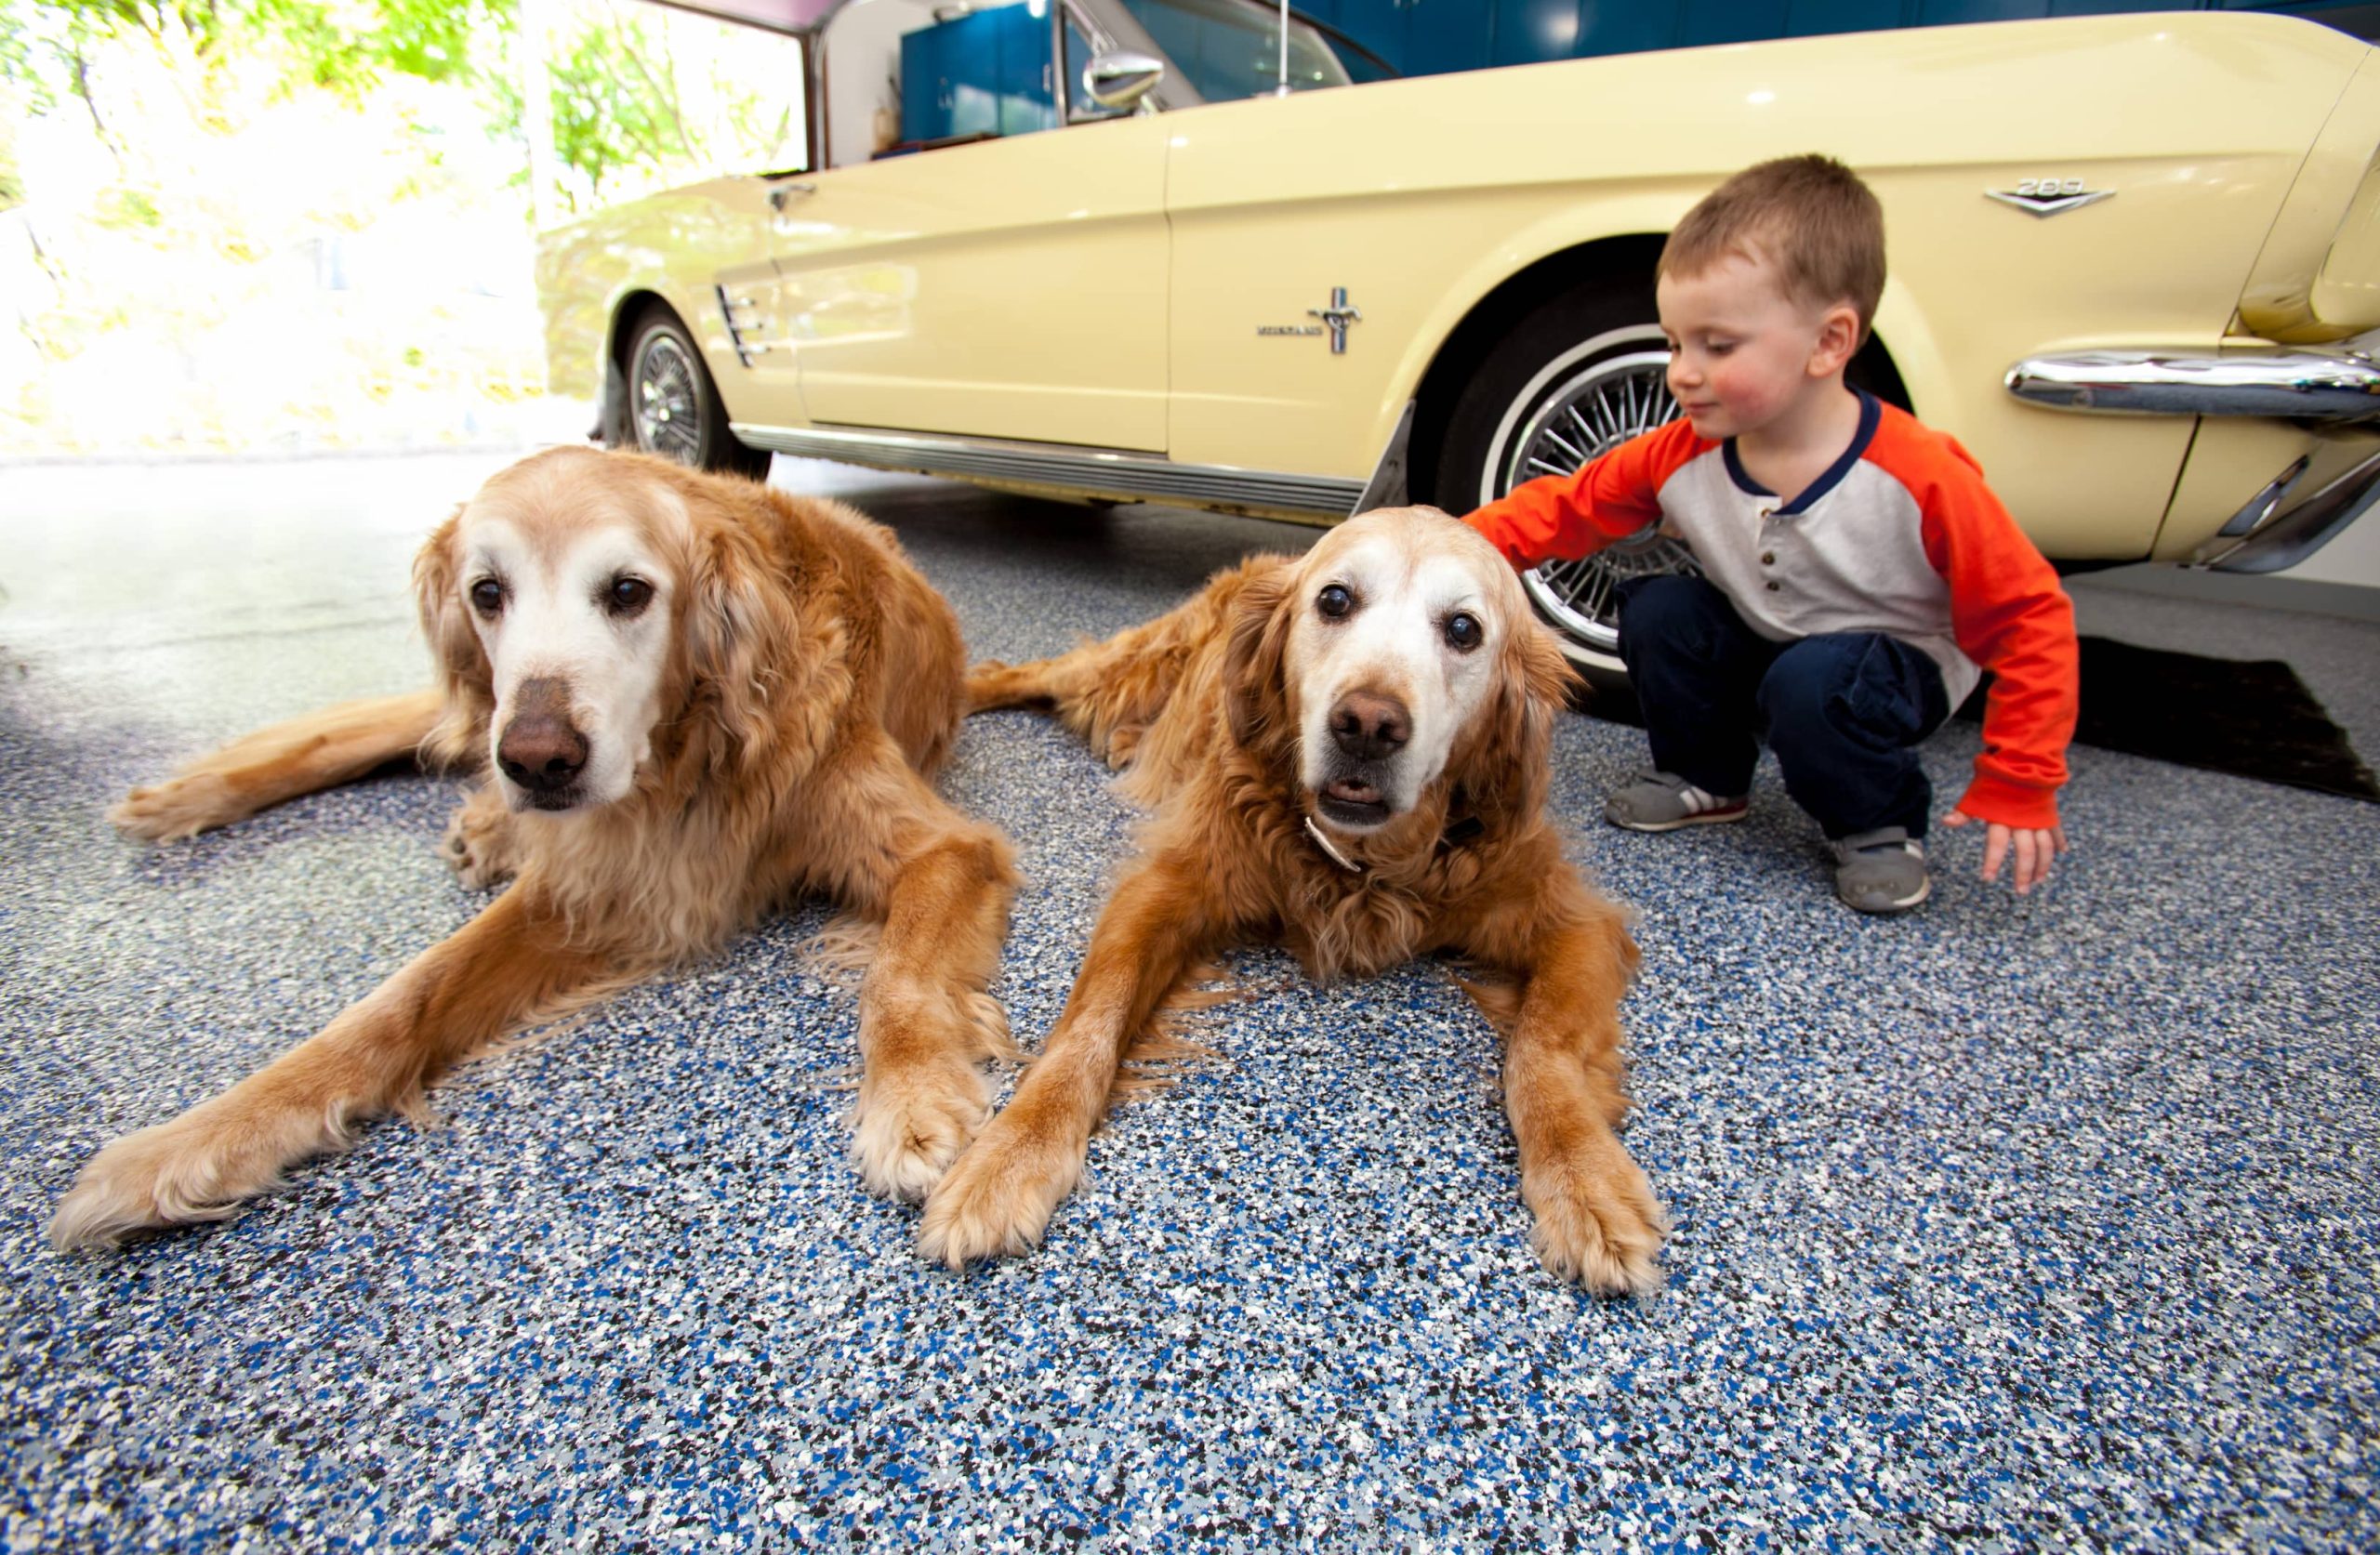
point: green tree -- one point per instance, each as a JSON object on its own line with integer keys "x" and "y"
{"x": 616, "y": 100}
{"x": 47, "y": 46}
{"x": 619, "y": 103}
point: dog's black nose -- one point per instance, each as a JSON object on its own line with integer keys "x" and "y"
{"x": 542, "y": 750}
{"x": 1367, "y": 726}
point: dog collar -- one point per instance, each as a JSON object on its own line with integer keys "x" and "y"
{"x": 1457, "y": 834}
{"x": 1330, "y": 850}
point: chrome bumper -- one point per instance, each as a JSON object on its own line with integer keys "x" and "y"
{"x": 2282, "y": 524}
{"x": 2332, "y": 383}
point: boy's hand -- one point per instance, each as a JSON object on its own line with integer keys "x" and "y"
{"x": 2034, "y": 848}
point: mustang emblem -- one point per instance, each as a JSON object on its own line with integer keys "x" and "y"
{"x": 1335, "y": 318}
{"x": 2047, "y": 197}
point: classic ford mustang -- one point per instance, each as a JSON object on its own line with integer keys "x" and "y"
{"x": 2134, "y": 267}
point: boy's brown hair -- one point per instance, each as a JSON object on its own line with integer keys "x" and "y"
{"x": 1808, "y": 215}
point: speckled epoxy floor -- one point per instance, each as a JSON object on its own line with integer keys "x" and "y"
{"x": 2009, "y": 1225}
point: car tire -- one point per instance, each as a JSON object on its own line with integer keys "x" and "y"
{"x": 672, "y": 408}
{"x": 1574, "y": 377}
{"x": 1590, "y": 367}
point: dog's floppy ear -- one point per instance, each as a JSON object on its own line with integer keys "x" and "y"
{"x": 1255, "y": 698}
{"x": 459, "y": 735}
{"x": 741, "y": 639}
{"x": 1508, "y": 769}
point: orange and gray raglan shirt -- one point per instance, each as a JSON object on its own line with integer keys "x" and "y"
{"x": 1900, "y": 536}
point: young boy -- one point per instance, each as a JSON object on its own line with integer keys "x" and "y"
{"x": 1858, "y": 575}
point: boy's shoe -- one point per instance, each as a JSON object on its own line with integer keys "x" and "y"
{"x": 1883, "y": 871}
{"x": 1665, "y": 801}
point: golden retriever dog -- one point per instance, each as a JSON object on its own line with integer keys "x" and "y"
{"x": 1349, "y": 753}
{"x": 692, "y": 698}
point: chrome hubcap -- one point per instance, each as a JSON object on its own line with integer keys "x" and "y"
{"x": 1589, "y": 412}
{"x": 668, "y": 417}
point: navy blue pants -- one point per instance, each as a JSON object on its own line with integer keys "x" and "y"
{"x": 1844, "y": 712}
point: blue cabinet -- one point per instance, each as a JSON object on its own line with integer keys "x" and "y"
{"x": 1945, "y": 13}
{"x": 1525, "y": 32}
{"x": 1734, "y": 21}
{"x": 1451, "y": 34}
{"x": 988, "y": 72}
{"x": 1618, "y": 29}
{"x": 1431, "y": 37}
{"x": 1810, "y": 18}
{"x": 925, "y": 78}
{"x": 985, "y": 74}
{"x": 1377, "y": 25}
{"x": 1418, "y": 37}
{"x": 970, "y": 86}
{"x": 1022, "y": 83}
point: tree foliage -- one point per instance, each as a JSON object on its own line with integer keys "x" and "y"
{"x": 432, "y": 39}
{"x": 614, "y": 92}
{"x": 615, "y": 99}
{"x": 48, "y": 45}
{"x": 305, "y": 216}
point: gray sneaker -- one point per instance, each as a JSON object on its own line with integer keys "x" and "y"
{"x": 1665, "y": 801}
{"x": 1883, "y": 871}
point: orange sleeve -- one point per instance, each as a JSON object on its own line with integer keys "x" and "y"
{"x": 1609, "y": 497}
{"x": 2011, "y": 617}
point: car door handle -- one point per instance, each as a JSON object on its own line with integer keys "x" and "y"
{"x": 781, "y": 192}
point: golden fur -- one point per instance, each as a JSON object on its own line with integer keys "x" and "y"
{"x": 1212, "y": 707}
{"x": 801, "y": 682}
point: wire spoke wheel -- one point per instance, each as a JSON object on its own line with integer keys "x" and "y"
{"x": 667, "y": 402}
{"x": 1589, "y": 411}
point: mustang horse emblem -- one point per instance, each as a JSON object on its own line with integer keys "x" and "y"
{"x": 1336, "y": 318}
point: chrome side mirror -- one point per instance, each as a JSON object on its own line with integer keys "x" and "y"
{"x": 1121, "y": 80}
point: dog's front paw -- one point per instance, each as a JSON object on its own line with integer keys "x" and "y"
{"x": 1597, "y": 1221}
{"x": 1123, "y": 744}
{"x": 177, "y": 807}
{"x": 478, "y": 844}
{"x": 997, "y": 1200}
{"x": 911, "y": 1125}
{"x": 175, "y": 1174}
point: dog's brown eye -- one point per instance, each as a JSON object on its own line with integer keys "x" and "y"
{"x": 1463, "y": 631}
{"x": 487, "y": 597}
{"x": 628, "y": 596}
{"x": 1334, "y": 601}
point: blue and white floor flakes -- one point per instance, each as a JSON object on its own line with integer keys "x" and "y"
{"x": 2009, "y": 1225}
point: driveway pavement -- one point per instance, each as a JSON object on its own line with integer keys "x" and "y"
{"x": 2007, "y": 1225}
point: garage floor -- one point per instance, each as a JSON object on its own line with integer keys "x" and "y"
{"x": 2007, "y": 1225}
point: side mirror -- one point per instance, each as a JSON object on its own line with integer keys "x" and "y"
{"x": 1121, "y": 80}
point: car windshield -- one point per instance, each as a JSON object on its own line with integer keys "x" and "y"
{"x": 1232, "y": 48}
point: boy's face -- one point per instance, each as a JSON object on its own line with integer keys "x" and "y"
{"x": 1742, "y": 353}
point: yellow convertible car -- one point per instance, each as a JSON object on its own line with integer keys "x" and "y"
{"x": 2135, "y": 265}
